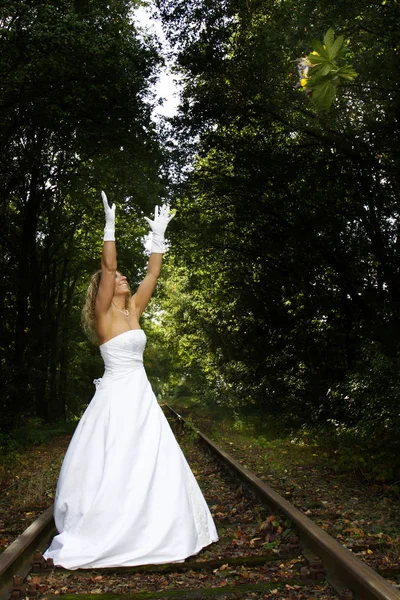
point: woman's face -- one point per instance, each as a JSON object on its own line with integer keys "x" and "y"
{"x": 121, "y": 285}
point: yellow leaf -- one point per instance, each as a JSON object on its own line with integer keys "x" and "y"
{"x": 254, "y": 540}
{"x": 221, "y": 568}
{"x": 354, "y": 530}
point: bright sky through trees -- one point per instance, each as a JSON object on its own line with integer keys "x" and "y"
{"x": 166, "y": 87}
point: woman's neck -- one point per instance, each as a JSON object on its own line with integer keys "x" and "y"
{"x": 119, "y": 303}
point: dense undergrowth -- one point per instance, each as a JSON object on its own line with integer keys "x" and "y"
{"x": 349, "y": 450}
{"x": 33, "y": 432}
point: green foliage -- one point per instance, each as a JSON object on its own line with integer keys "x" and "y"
{"x": 368, "y": 400}
{"x": 285, "y": 254}
{"x": 321, "y": 72}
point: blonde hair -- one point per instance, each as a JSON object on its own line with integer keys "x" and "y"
{"x": 88, "y": 318}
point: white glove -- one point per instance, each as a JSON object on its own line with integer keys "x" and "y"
{"x": 109, "y": 229}
{"x": 158, "y": 227}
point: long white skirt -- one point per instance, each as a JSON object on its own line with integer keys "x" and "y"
{"x": 126, "y": 495}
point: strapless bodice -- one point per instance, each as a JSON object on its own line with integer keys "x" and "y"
{"x": 123, "y": 353}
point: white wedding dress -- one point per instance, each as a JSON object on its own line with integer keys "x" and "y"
{"x": 126, "y": 495}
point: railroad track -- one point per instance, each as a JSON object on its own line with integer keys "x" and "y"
{"x": 267, "y": 549}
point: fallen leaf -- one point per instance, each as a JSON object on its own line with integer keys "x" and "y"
{"x": 254, "y": 540}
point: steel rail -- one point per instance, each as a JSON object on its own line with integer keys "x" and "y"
{"x": 17, "y": 557}
{"x": 343, "y": 569}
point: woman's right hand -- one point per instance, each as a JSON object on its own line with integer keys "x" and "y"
{"x": 105, "y": 291}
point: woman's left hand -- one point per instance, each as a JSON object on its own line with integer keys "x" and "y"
{"x": 158, "y": 227}
{"x": 161, "y": 219}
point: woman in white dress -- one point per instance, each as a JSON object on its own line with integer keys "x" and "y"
{"x": 126, "y": 495}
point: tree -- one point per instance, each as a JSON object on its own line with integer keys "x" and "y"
{"x": 76, "y": 113}
{"x": 289, "y": 220}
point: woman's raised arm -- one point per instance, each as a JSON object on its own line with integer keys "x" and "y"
{"x": 145, "y": 290}
{"x": 108, "y": 262}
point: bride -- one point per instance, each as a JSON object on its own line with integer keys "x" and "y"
{"x": 125, "y": 495}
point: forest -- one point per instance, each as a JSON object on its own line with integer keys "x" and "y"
{"x": 280, "y": 292}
